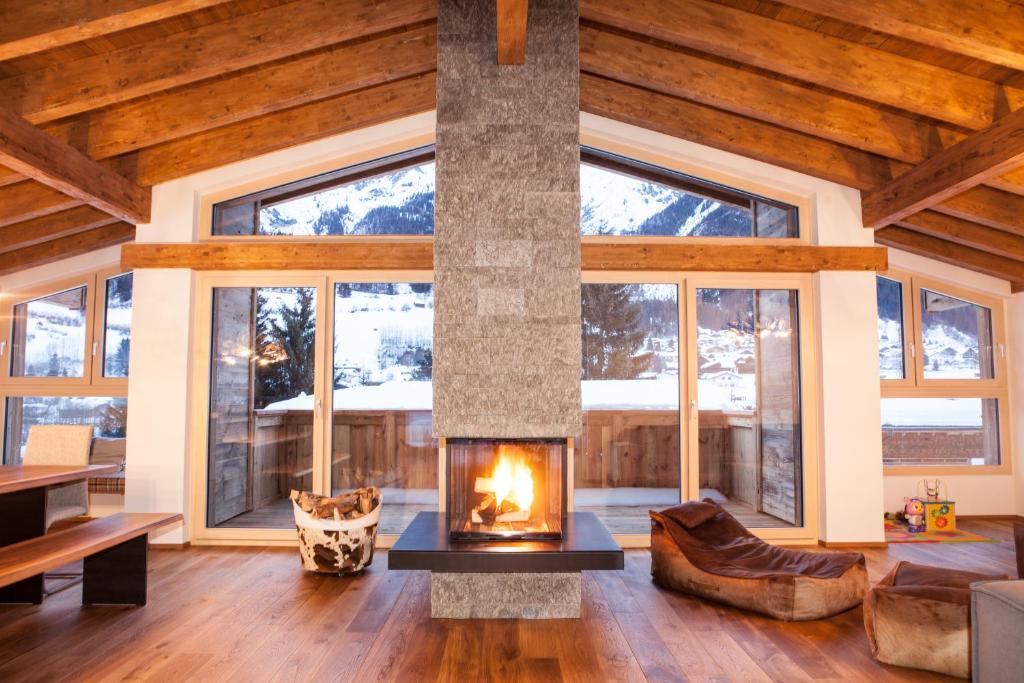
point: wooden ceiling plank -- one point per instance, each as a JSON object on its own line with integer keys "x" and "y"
{"x": 212, "y": 50}
{"x": 511, "y": 27}
{"x": 992, "y": 31}
{"x": 967, "y": 233}
{"x": 808, "y": 110}
{"x": 812, "y": 57}
{"x": 184, "y": 111}
{"x": 65, "y": 247}
{"x": 29, "y": 151}
{"x": 779, "y": 146}
{"x": 28, "y": 199}
{"x": 54, "y": 226}
{"x": 952, "y": 253}
{"x": 279, "y": 130}
{"x": 45, "y": 24}
{"x": 983, "y": 155}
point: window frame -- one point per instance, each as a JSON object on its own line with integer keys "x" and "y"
{"x": 91, "y": 383}
{"x": 915, "y": 385}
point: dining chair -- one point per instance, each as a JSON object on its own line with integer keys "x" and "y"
{"x": 61, "y": 445}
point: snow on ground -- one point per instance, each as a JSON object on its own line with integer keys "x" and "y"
{"x": 931, "y": 412}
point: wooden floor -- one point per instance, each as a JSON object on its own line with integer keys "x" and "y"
{"x": 248, "y": 614}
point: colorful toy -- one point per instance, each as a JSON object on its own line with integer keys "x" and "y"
{"x": 914, "y": 510}
{"x": 940, "y": 515}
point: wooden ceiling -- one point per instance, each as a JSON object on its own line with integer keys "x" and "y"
{"x": 915, "y": 104}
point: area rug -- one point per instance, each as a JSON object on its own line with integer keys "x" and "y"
{"x": 896, "y": 532}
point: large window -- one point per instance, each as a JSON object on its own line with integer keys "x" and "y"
{"x": 67, "y": 348}
{"x": 627, "y": 460}
{"x": 318, "y": 384}
{"x": 389, "y": 196}
{"x": 395, "y": 196}
{"x": 622, "y": 197}
{"x": 941, "y": 360}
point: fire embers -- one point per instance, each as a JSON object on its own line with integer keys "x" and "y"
{"x": 507, "y": 493}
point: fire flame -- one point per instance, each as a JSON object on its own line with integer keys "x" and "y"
{"x": 513, "y": 480}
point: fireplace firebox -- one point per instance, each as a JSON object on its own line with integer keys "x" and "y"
{"x": 506, "y": 489}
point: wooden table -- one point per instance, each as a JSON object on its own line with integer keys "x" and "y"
{"x": 23, "y": 511}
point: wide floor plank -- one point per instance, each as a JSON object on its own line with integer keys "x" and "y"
{"x": 253, "y": 614}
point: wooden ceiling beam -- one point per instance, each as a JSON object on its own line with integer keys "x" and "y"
{"x": 213, "y": 50}
{"x": 966, "y": 233}
{"x": 29, "y": 151}
{"x": 512, "y": 22}
{"x": 417, "y": 254}
{"x": 970, "y": 162}
{"x": 955, "y": 254}
{"x": 823, "y": 114}
{"x": 126, "y": 127}
{"x": 65, "y": 247}
{"x": 992, "y": 31}
{"x": 812, "y": 57}
{"x": 280, "y": 130}
{"x": 54, "y": 226}
{"x": 28, "y": 199}
{"x": 45, "y": 24}
{"x": 780, "y": 146}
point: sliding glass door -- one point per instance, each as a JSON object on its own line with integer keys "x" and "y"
{"x": 747, "y": 443}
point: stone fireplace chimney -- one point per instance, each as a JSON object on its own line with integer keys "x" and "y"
{"x": 507, "y": 239}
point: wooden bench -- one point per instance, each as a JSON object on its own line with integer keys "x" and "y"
{"x": 114, "y": 550}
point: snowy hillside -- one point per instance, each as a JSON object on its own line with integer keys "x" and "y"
{"x": 615, "y": 204}
{"x": 397, "y": 203}
{"x": 949, "y": 353}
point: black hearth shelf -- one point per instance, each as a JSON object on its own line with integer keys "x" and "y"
{"x": 585, "y": 545}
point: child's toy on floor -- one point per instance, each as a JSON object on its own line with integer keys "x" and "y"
{"x": 914, "y": 511}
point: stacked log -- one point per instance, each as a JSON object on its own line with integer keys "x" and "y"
{"x": 350, "y": 505}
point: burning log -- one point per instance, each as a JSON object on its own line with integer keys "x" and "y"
{"x": 489, "y": 511}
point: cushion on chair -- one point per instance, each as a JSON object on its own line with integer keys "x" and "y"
{"x": 997, "y": 631}
{"x": 61, "y": 445}
{"x": 919, "y": 617}
{"x": 720, "y": 560}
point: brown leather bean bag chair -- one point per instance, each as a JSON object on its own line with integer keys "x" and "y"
{"x": 920, "y": 617}
{"x": 701, "y": 549}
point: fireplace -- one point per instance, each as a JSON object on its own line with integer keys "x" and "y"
{"x": 506, "y": 489}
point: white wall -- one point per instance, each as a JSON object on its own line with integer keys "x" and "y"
{"x": 974, "y": 494}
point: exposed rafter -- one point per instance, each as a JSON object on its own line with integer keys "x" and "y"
{"x": 812, "y": 57}
{"x": 63, "y": 224}
{"x": 45, "y": 24}
{"x": 29, "y": 151}
{"x": 213, "y": 50}
{"x": 955, "y": 254}
{"x": 64, "y": 247}
{"x": 967, "y": 233}
{"x": 984, "y": 155}
{"x": 246, "y": 139}
{"x": 992, "y": 30}
{"x": 27, "y": 200}
{"x": 512, "y": 21}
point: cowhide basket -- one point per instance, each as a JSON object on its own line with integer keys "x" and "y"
{"x": 336, "y": 547}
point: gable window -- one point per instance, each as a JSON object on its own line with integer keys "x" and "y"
{"x": 942, "y": 368}
{"x": 394, "y": 195}
{"x": 627, "y": 198}
{"x": 389, "y": 196}
{"x": 65, "y": 358}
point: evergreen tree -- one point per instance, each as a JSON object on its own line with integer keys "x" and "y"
{"x": 613, "y": 338}
{"x": 425, "y": 368}
{"x": 119, "y": 363}
{"x": 285, "y": 346}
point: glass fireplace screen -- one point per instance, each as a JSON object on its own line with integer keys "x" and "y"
{"x": 506, "y": 489}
